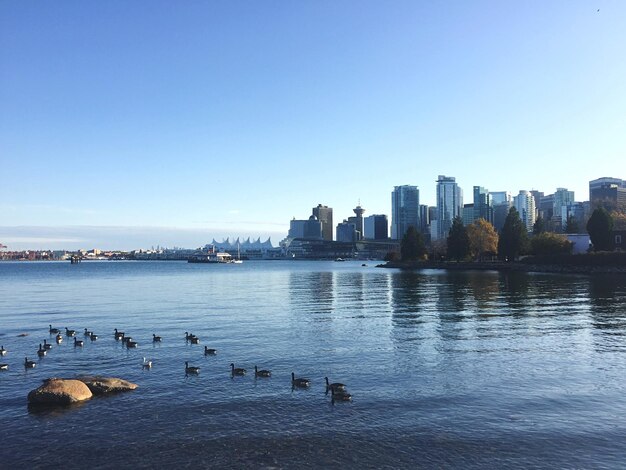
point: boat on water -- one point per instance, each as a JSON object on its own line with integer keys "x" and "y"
{"x": 211, "y": 255}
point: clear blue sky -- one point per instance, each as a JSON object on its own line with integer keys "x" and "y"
{"x": 130, "y": 124}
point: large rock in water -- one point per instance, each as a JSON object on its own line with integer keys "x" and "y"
{"x": 104, "y": 385}
{"x": 60, "y": 392}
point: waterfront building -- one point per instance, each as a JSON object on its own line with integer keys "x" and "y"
{"x": 347, "y": 232}
{"x": 405, "y": 202}
{"x": 449, "y": 205}
{"x": 376, "y": 227}
{"x": 524, "y": 202}
{"x": 483, "y": 207}
{"x": 324, "y": 215}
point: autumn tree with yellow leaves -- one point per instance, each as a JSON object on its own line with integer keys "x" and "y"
{"x": 483, "y": 239}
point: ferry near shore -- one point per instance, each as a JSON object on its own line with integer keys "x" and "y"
{"x": 213, "y": 256}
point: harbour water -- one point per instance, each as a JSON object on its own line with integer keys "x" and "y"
{"x": 446, "y": 369}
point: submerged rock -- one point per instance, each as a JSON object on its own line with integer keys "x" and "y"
{"x": 104, "y": 385}
{"x": 60, "y": 392}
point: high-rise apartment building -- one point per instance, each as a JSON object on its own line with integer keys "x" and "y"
{"x": 605, "y": 182}
{"x": 325, "y": 215}
{"x": 609, "y": 193}
{"x": 405, "y": 201}
{"x": 449, "y": 205}
{"x": 376, "y": 227}
{"x": 524, "y": 202}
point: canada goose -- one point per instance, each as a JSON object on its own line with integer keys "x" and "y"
{"x": 340, "y": 395}
{"x": 155, "y": 338}
{"x": 209, "y": 351}
{"x": 29, "y": 364}
{"x": 69, "y": 332}
{"x": 236, "y": 370}
{"x": 41, "y": 352}
{"x": 334, "y": 386}
{"x": 47, "y": 346}
{"x": 118, "y": 334}
{"x": 93, "y": 336}
{"x": 262, "y": 372}
{"x": 191, "y": 369}
{"x": 4, "y": 366}
{"x": 195, "y": 340}
{"x": 54, "y": 330}
{"x": 78, "y": 342}
{"x": 87, "y": 332}
{"x": 188, "y": 336}
{"x": 59, "y": 338}
{"x": 146, "y": 364}
{"x": 131, "y": 344}
{"x": 3, "y": 352}
{"x": 299, "y": 382}
{"x": 126, "y": 339}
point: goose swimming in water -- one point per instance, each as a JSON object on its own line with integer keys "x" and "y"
{"x": 47, "y": 346}
{"x": 299, "y": 382}
{"x": 340, "y": 395}
{"x": 188, "y": 336}
{"x": 191, "y": 369}
{"x": 93, "y": 336}
{"x": 78, "y": 343}
{"x": 59, "y": 338}
{"x": 118, "y": 334}
{"x": 146, "y": 364}
{"x": 29, "y": 364}
{"x": 87, "y": 332}
{"x": 194, "y": 340}
{"x": 236, "y": 370}
{"x": 131, "y": 344}
{"x": 4, "y": 366}
{"x": 54, "y": 330}
{"x": 155, "y": 338}
{"x": 209, "y": 351}
{"x": 262, "y": 372}
{"x": 334, "y": 386}
{"x": 69, "y": 332}
{"x": 41, "y": 352}
{"x": 3, "y": 352}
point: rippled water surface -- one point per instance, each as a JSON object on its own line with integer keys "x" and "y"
{"x": 447, "y": 370}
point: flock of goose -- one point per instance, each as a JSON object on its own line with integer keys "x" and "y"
{"x": 337, "y": 390}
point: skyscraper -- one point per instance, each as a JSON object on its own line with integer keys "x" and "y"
{"x": 483, "y": 208}
{"x": 405, "y": 201}
{"x": 524, "y": 202}
{"x": 325, "y": 215}
{"x": 449, "y": 204}
{"x": 376, "y": 227}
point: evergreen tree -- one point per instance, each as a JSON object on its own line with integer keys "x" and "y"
{"x": 513, "y": 238}
{"x": 571, "y": 226}
{"x": 599, "y": 227}
{"x": 458, "y": 240}
{"x": 412, "y": 246}
{"x": 539, "y": 226}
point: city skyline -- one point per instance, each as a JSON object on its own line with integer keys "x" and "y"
{"x": 131, "y": 125}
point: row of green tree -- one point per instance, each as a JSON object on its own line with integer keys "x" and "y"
{"x": 480, "y": 240}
